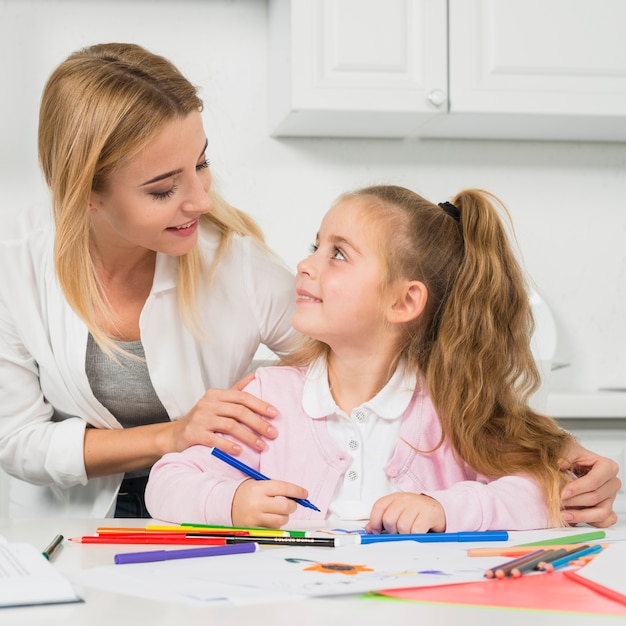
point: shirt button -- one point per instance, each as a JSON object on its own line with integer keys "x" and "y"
{"x": 360, "y": 416}
{"x": 353, "y": 475}
{"x": 353, "y": 444}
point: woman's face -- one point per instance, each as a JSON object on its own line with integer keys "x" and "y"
{"x": 155, "y": 199}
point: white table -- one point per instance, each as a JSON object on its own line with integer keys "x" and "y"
{"x": 109, "y": 609}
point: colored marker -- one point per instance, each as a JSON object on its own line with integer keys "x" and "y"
{"x": 170, "y": 530}
{"x": 166, "y": 555}
{"x": 268, "y": 532}
{"x": 514, "y": 551}
{"x": 249, "y": 471}
{"x": 320, "y": 542}
{"x": 143, "y": 539}
{"x": 569, "y": 539}
{"x": 54, "y": 545}
{"x": 486, "y": 535}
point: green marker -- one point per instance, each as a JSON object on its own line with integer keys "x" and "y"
{"x": 598, "y": 534}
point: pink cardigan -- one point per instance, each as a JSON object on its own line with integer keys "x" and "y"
{"x": 194, "y": 486}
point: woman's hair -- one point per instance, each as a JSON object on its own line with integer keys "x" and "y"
{"x": 100, "y": 108}
{"x": 472, "y": 341}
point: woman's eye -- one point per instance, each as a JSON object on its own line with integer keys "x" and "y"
{"x": 202, "y": 166}
{"x": 338, "y": 254}
{"x": 163, "y": 195}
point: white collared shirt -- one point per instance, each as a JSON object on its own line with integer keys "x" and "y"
{"x": 369, "y": 435}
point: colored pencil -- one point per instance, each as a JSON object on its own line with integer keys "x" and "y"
{"x": 556, "y": 554}
{"x": 531, "y": 564}
{"x": 572, "y": 555}
{"x": 504, "y": 569}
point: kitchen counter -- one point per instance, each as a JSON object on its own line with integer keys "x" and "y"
{"x": 587, "y": 404}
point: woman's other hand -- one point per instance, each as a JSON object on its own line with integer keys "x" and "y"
{"x": 589, "y": 499}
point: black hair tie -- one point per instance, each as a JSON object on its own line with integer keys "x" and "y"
{"x": 451, "y": 210}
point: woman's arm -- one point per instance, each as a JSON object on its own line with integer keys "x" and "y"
{"x": 233, "y": 412}
{"x": 590, "y": 498}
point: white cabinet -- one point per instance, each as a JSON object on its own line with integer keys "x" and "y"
{"x": 356, "y": 68}
{"x": 506, "y": 69}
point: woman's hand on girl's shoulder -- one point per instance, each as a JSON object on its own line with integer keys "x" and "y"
{"x": 233, "y": 412}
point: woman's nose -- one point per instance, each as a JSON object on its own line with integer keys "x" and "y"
{"x": 197, "y": 200}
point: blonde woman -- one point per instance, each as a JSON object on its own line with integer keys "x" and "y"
{"x": 127, "y": 322}
{"x": 148, "y": 291}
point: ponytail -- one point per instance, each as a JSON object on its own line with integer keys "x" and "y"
{"x": 481, "y": 371}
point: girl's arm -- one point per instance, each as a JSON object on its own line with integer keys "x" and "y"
{"x": 192, "y": 486}
{"x": 511, "y": 503}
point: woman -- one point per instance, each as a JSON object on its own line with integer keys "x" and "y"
{"x": 140, "y": 239}
{"x": 148, "y": 291}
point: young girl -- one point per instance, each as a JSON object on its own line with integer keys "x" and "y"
{"x": 407, "y": 405}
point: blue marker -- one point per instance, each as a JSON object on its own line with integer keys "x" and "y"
{"x": 485, "y": 535}
{"x": 249, "y": 471}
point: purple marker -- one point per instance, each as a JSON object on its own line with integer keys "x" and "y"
{"x": 165, "y": 555}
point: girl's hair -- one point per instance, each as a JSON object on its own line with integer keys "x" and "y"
{"x": 472, "y": 341}
{"x": 100, "y": 108}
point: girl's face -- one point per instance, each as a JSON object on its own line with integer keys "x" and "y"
{"x": 339, "y": 298}
{"x": 154, "y": 200}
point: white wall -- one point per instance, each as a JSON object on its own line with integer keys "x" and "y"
{"x": 568, "y": 200}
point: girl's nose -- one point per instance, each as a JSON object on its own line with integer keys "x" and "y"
{"x": 306, "y": 266}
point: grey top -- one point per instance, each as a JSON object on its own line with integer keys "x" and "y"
{"x": 124, "y": 387}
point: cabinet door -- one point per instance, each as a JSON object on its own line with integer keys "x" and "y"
{"x": 541, "y": 69}
{"x": 362, "y": 68}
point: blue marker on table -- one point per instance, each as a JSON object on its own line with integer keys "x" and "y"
{"x": 249, "y": 471}
{"x": 484, "y": 535}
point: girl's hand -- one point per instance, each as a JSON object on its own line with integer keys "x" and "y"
{"x": 225, "y": 411}
{"x": 265, "y": 503}
{"x": 589, "y": 499}
{"x": 404, "y": 512}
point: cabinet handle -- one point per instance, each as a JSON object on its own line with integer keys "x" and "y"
{"x": 437, "y": 97}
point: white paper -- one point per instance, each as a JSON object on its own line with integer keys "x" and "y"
{"x": 607, "y": 568}
{"x": 279, "y": 574}
{"x": 27, "y": 578}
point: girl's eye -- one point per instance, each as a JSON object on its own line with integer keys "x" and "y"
{"x": 339, "y": 255}
{"x": 163, "y": 195}
{"x": 202, "y": 166}
{"x": 313, "y": 248}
